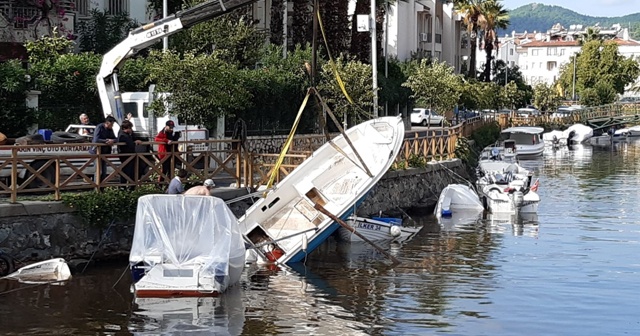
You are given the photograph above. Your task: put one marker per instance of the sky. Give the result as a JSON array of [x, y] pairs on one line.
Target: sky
[[587, 7]]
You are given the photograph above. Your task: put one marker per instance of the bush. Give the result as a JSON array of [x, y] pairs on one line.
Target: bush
[[113, 204]]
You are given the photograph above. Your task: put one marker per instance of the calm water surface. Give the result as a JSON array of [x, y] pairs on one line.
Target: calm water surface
[[573, 269]]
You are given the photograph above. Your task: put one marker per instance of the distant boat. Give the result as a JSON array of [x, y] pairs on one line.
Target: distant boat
[[286, 224], [528, 140], [51, 270], [185, 246], [378, 229]]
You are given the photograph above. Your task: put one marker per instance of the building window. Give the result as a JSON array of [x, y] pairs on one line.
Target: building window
[[562, 52], [118, 7], [534, 52], [551, 65], [512, 64], [82, 7], [552, 51], [510, 52], [540, 65]]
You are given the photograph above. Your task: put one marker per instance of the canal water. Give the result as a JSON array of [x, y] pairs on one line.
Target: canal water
[[573, 269]]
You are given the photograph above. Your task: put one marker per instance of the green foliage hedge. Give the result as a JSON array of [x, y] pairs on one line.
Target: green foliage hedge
[[99, 209]]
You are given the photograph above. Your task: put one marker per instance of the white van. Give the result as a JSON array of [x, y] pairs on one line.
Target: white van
[[527, 112]]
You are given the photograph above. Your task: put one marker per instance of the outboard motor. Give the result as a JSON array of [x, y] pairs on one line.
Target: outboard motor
[[518, 199], [570, 138]]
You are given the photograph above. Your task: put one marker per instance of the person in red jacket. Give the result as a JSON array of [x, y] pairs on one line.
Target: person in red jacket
[[167, 136]]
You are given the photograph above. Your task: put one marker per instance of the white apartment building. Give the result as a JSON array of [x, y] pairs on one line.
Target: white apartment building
[[21, 22], [541, 56], [424, 27]]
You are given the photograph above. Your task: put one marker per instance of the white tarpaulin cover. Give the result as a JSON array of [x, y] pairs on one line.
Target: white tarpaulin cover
[[457, 197], [186, 230]]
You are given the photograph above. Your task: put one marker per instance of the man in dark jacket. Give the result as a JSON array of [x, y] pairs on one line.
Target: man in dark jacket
[[127, 146], [103, 134]]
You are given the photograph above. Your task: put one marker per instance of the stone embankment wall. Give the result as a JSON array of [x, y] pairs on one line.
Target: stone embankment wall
[[42, 230]]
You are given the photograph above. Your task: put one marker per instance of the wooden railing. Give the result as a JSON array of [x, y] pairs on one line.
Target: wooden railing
[[56, 168], [585, 116]]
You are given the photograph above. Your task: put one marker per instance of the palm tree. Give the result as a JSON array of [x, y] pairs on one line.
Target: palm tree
[[493, 16], [471, 10]]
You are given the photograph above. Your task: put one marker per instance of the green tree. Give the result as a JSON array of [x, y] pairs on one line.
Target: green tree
[[103, 31], [513, 74], [435, 86], [233, 37], [511, 95], [599, 61], [202, 86], [471, 11], [493, 17], [278, 77], [357, 78], [545, 97], [16, 117]]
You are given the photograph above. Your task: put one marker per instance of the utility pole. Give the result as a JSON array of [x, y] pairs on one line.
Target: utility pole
[[285, 28], [314, 44], [374, 58], [386, 49], [573, 96], [165, 13]]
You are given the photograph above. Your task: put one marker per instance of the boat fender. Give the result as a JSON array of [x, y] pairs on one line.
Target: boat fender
[[395, 231], [305, 243], [446, 213]]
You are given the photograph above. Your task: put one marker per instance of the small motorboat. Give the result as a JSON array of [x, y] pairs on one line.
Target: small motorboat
[[52, 270], [554, 139], [508, 193], [378, 229], [185, 246], [456, 197]]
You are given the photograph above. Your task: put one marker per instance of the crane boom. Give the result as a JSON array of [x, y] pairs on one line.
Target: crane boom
[[144, 37]]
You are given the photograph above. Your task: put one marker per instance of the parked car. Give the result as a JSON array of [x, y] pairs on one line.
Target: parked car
[[424, 117], [527, 112]]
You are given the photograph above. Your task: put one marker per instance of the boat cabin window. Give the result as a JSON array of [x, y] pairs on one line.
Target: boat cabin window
[[521, 138]]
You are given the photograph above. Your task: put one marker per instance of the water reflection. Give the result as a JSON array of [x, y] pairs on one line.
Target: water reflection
[[519, 224], [223, 315]]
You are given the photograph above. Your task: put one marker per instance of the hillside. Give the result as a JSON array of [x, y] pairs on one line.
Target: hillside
[[540, 17]]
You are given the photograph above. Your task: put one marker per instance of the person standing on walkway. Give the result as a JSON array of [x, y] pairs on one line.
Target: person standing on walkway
[[128, 146], [103, 135], [166, 137]]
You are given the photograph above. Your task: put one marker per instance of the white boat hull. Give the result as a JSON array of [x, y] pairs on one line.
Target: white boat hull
[[456, 197], [498, 201], [44, 271], [334, 178], [376, 230], [167, 280]]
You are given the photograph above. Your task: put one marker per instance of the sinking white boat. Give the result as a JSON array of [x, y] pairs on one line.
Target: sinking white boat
[[286, 224], [52, 270], [574, 134], [578, 133], [528, 140], [378, 229], [456, 197], [185, 246]]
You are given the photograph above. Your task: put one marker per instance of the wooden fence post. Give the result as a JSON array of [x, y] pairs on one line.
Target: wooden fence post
[[57, 182], [14, 175]]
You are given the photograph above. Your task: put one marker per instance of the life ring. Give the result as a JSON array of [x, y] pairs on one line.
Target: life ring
[[7, 265], [66, 137]]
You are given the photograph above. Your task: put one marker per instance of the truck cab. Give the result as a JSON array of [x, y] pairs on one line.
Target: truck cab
[[146, 125]]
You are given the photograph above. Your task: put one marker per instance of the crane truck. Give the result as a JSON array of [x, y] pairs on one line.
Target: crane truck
[[111, 99], [115, 104]]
